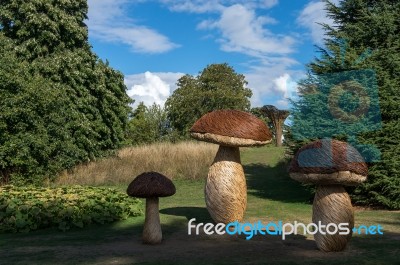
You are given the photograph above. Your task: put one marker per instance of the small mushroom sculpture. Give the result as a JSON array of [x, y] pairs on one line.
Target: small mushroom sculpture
[[151, 185], [225, 189], [330, 164]]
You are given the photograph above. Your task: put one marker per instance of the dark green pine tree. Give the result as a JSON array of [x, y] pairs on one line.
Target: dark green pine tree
[[362, 52], [63, 104]]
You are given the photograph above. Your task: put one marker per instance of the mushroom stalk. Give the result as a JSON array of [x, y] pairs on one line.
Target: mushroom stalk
[[225, 190], [332, 204], [152, 228]]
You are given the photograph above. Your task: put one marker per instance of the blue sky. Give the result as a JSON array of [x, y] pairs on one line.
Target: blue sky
[[154, 42]]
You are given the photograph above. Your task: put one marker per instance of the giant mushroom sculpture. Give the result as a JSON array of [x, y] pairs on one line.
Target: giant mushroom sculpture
[[151, 185], [225, 189], [330, 164]]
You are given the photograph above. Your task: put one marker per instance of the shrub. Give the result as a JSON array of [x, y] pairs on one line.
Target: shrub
[[60, 104], [23, 209]]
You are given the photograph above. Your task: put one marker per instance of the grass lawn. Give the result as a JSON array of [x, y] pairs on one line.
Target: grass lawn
[[272, 196]]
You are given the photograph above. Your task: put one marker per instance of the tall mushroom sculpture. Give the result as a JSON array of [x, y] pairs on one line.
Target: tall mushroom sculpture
[[151, 185], [225, 189], [330, 164]]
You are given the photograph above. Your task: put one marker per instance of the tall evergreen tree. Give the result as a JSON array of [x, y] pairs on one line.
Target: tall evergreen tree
[[353, 92], [87, 97]]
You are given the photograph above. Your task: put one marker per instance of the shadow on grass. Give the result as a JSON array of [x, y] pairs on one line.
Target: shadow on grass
[[113, 244], [273, 182], [200, 213], [121, 244]]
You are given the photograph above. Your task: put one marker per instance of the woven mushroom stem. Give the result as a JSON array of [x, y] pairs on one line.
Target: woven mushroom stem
[[332, 204], [152, 233], [225, 190]]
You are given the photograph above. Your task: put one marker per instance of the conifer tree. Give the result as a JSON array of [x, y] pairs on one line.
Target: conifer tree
[[352, 92]]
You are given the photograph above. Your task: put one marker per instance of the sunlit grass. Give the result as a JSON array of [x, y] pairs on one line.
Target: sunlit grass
[[189, 160]]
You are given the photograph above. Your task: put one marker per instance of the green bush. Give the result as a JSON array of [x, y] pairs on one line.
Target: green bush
[[23, 209], [60, 105]]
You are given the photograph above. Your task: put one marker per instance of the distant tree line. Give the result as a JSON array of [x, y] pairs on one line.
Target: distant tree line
[[217, 86]]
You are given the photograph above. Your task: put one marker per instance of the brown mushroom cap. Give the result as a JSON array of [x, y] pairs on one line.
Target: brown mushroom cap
[[231, 128], [151, 184], [328, 162]]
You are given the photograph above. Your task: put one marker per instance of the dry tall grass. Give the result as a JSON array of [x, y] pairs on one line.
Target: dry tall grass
[[182, 160]]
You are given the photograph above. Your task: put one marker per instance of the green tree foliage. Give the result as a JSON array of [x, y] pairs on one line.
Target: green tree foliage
[[218, 86], [256, 111], [364, 49], [60, 104], [148, 125]]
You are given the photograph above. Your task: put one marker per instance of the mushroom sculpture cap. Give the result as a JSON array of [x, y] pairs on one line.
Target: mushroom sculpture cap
[[151, 184], [326, 162], [231, 128]]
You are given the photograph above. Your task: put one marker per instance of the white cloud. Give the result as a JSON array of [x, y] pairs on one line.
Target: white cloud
[[151, 87], [193, 6], [109, 22], [273, 83], [269, 3], [211, 6], [288, 88], [243, 31], [312, 16], [281, 84], [268, 75], [254, 4]]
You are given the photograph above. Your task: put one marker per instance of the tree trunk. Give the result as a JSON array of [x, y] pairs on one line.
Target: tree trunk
[[5, 176]]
